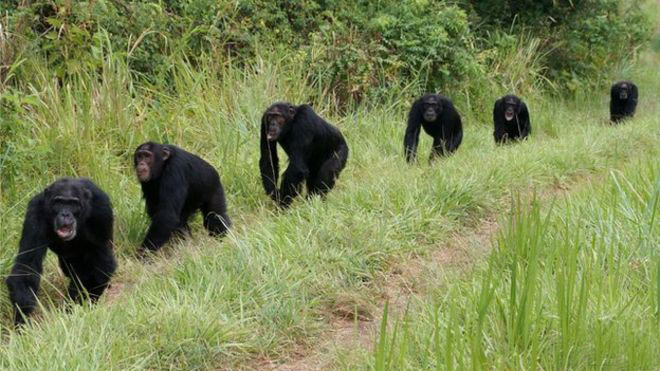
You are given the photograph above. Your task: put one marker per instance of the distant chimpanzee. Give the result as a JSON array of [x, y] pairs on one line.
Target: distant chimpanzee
[[317, 151], [73, 218], [175, 184], [623, 101], [437, 115], [511, 119]]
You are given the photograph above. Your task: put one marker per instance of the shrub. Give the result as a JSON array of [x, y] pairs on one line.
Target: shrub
[[352, 49], [584, 40]]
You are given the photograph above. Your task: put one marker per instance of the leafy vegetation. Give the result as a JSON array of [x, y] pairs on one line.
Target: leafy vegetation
[[350, 49]]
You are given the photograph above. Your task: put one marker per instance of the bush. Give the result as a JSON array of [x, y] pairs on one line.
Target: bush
[[583, 40], [378, 47], [353, 49]]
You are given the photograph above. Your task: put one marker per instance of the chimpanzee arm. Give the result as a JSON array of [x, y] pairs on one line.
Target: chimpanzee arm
[[90, 276], [167, 215], [293, 177], [614, 93], [99, 223], [412, 131], [457, 133], [269, 163], [500, 128], [634, 97], [526, 127], [23, 281]]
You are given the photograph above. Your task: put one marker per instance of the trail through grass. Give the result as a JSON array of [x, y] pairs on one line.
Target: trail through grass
[[571, 284], [411, 280]]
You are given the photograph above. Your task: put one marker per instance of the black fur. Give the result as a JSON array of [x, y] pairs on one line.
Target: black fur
[[181, 184], [87, 259], [519, 127], [623, 107], [317, 153], [446, 128]]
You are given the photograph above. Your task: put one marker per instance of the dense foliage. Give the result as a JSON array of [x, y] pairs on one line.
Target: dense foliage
[[351, 47], [584, 38]]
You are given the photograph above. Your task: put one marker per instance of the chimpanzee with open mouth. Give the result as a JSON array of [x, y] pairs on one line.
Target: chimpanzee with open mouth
[[511, 119], [73, 218]]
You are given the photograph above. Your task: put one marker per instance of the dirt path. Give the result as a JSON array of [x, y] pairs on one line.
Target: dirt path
[[412, 277], [405, 280]]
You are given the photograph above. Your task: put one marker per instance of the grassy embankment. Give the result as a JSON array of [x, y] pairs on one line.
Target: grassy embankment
[[272, 285], [570, 284]]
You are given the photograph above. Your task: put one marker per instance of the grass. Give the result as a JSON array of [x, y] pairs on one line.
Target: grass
[[273, 284], [572, 286]]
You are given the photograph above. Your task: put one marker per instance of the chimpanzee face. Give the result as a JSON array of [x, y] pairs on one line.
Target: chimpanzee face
[[67, 204], [431, 109], [149, 160], [511, 108], [623, 92], [277, 117]]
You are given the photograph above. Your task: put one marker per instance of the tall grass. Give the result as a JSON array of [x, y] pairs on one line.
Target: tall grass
[[574, 286]]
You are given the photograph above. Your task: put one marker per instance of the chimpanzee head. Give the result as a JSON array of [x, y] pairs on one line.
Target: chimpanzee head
[[512, 107], [624, 91], [67, 201], [277, 118], [149, 160], [432, 108]]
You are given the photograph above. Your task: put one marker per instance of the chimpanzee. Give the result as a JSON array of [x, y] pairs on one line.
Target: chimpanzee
[[511, 119], [175, 184], [437, 115], [623, 101], [72, 217], [317, 152]]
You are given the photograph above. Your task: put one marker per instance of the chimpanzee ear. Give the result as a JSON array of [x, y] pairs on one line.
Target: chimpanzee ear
[[166, 152], [292, 110], [87, 194]]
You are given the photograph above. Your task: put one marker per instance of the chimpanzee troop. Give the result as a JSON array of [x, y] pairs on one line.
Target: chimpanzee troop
[[74, 218], [511, 119], [317, 152]]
